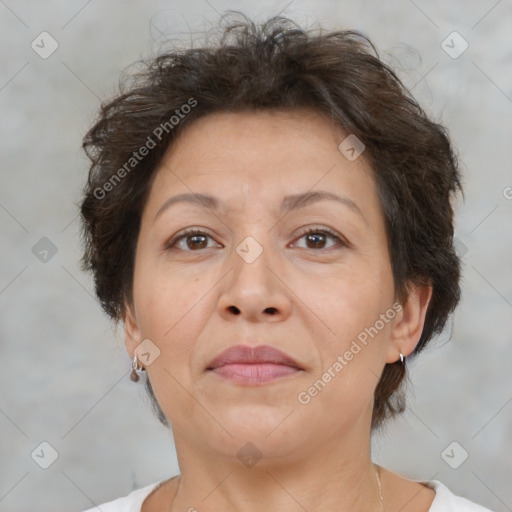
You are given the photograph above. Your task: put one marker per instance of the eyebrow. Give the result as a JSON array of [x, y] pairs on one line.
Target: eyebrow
[[288, 204]]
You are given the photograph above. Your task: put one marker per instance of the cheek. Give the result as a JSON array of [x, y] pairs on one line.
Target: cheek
[[163, 296], [349, 299], [173, 318], [353, 309], [172, 313]]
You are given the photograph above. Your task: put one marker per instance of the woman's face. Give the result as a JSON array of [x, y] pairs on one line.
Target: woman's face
[[252, 276]]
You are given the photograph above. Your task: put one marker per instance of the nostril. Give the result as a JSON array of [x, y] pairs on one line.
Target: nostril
[[234, 310], [272, 311]]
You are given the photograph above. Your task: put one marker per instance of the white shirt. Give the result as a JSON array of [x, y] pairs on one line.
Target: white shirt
[[444, 501]]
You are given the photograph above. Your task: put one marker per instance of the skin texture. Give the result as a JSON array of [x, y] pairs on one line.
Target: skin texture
[[197, 298]]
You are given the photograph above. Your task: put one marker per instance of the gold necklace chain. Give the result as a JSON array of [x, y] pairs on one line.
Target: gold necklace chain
[[380, 488]]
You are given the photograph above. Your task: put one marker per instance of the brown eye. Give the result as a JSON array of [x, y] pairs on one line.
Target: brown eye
[[316, 238], [194, 239]]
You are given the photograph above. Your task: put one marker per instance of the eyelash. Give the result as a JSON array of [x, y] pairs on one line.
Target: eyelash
[[324, 231]]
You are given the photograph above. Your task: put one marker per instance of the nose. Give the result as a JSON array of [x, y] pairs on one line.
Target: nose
[[255, 291]]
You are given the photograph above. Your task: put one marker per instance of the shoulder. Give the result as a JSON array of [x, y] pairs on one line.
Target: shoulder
[[446, 501], [130, 503]]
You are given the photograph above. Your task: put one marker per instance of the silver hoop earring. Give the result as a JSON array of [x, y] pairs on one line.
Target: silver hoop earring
[[136, 369], [402, 358]]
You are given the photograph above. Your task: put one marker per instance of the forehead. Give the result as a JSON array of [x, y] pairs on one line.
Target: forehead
[[283, 135], [261, 157]]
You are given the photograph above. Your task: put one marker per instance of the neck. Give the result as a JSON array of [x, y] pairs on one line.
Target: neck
[[325, 476]]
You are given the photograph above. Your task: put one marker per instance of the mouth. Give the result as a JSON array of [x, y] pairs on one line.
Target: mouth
[[247, 365]]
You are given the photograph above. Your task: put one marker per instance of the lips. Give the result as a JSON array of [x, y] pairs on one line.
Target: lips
[[245, 354], [253, 366]]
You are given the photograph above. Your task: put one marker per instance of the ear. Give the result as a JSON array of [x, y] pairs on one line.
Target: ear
[[408, 323], [132, 335]]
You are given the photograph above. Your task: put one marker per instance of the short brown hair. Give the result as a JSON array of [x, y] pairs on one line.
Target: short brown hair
[[277, 65]]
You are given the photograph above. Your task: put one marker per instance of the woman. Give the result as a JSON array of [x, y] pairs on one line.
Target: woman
[[270, 217]]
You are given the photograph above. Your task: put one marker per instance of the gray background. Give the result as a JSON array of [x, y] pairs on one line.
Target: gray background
[[64, 371]]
